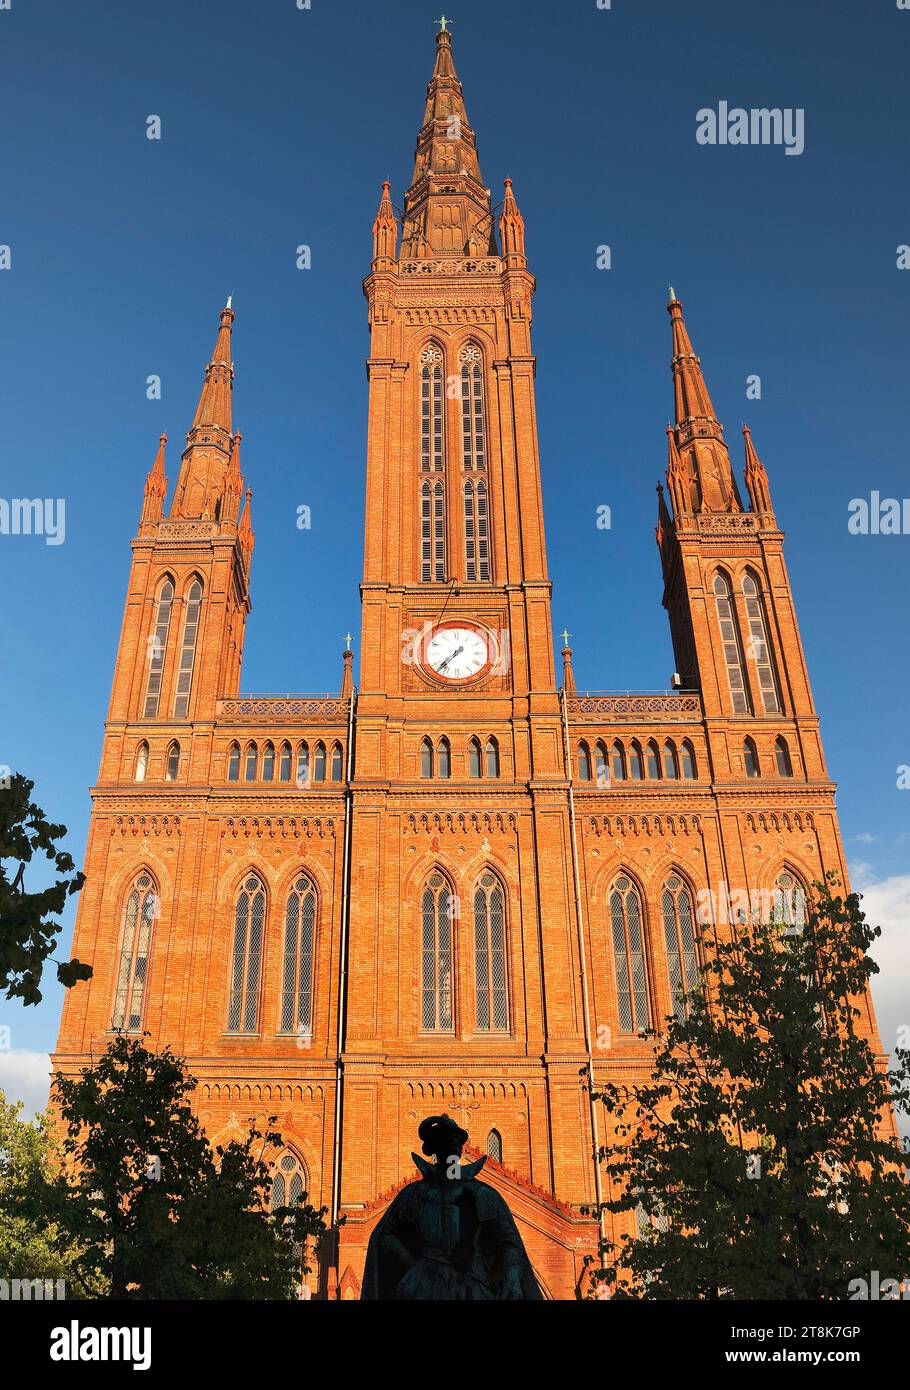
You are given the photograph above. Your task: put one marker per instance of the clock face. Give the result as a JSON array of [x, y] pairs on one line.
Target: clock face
[[457, 652]]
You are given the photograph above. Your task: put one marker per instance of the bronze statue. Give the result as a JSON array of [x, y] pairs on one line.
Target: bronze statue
[[447, 1236]]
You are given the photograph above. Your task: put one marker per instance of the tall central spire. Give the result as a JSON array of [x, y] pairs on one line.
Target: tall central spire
[[447, 209], [210, 441], [699, 473]]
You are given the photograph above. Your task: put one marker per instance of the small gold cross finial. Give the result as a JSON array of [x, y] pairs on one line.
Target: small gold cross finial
[[348, 639], [444, 24], [565, 635]]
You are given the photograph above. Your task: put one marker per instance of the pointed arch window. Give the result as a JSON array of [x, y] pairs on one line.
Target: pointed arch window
[[491, 756], [601, 766], [758, 645], [158, 648], [436, 955], [494, 1145], [653, 758], [249, 925], [679, 937], [290, 1183], [472, 427], [252, 763], [319, 762], [687, 758], [618, 762], [636, 767], [782, 758], [788, 903], [443, 758], [750, 759], [733, 652], [142, 762], [234, 763], [426, 758], [138, 918], [432, 410], [268, 763], [297, 975], [303, 765], [671, 767], [337, 763], [188, 650], [583, 758], [432, 533], [490, 955], [629, 956], [173, 762], [474, 762], [284, 763]]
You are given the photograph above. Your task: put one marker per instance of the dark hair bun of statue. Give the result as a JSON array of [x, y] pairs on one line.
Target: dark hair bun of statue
[[441, 1127]]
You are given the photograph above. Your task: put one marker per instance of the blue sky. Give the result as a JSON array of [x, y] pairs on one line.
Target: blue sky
[[278, 126]]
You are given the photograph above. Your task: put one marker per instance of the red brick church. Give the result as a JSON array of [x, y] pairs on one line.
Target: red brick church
[[459, 883]]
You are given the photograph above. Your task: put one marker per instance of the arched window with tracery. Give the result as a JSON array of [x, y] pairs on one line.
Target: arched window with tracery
[[687, 758], [426, 758], [290, 1183], [679, 937], [284, 763], [432, 410], [629, 956], [671, 767], [474, 454], [653, 760], [759, 646], [443, 758], [299, 944], [584, 763], [158, 648], [436, 955], [788, 902], [142, 762], [319, 762], [172, 766], [188, 650], [490, 955], [491, 755], [302, 775], [474, 758], [234, 763], [601, 766], [494, 1145], [252, 762], [618, 762], [636, 766], [733, 651], [249, 928], [135, 945]]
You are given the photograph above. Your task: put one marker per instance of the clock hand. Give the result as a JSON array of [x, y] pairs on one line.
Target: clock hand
[[449, 658]]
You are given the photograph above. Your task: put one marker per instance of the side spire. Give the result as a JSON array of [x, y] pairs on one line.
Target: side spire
[[698, 434], [757, 484], [512, 231], [210, 441], [155, 488], [447, 209], [385, 229]]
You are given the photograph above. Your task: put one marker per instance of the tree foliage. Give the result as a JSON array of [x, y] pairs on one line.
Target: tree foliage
[[760, 1158], [158, 1212], [28, 930]]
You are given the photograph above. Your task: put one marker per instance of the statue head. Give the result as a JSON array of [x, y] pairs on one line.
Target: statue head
[[442, 1138]]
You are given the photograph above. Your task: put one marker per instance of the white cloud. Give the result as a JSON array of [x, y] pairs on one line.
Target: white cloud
[[26, 1076], [864, 838]]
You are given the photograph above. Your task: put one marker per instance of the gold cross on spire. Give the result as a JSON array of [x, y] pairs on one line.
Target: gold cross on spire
[[444, 24], [565, 635]]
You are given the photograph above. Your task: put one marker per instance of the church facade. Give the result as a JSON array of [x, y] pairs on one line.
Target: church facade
[[461, 885]]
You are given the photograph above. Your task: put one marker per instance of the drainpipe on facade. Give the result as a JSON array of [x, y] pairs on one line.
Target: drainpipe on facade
[[583, 970]]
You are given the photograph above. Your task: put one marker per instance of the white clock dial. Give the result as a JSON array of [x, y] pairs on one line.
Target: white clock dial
[[457, 652]]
